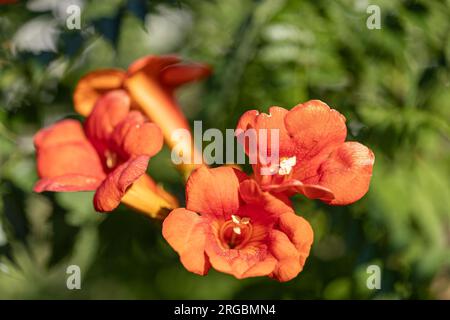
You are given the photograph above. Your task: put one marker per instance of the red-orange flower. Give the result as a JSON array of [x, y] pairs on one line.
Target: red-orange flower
[[149, 82], [233, 226], [109, 155], [314, 158]]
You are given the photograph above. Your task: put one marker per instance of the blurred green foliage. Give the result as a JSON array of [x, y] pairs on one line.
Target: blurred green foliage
[[392, 84]]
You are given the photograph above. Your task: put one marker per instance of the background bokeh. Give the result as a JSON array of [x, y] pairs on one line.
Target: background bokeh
[[392, 84]]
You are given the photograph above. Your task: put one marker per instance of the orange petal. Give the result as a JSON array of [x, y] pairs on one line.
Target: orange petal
[[62, 149], [262, 268], [288, 266], [299, 232], [317, 130], [109, 111], [248, 262], [214, 192], [71, 158], [272, 205], [178, 74], [136, 136], [248, 120], [64, 131], [274, 120], [111, 191], [184, 231], [68, 183], [93, 86], [347, 172], [312, 191], [152, 65]]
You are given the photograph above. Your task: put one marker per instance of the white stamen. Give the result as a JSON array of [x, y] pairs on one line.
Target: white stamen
[[245, 220], [286, 165]]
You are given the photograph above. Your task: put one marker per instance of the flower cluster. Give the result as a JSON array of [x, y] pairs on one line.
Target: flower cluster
[[238, 224]]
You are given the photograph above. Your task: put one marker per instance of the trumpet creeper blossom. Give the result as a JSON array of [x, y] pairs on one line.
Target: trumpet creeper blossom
[[314, 158], [109, 154], [150, 82], [230, 224]]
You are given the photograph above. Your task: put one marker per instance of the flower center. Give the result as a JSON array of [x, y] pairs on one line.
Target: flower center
[[236, 232]]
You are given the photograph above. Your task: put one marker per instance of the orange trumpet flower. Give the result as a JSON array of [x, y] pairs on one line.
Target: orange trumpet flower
[[109, 155], [149, 82], [229, 223], [314, 158]]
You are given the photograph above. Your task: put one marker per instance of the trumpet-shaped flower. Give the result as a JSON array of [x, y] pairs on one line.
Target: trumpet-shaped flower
[[314, 158], [109, 154], [229, 223], [149, 82]]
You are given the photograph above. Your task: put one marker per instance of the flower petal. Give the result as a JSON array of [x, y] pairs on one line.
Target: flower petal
[[93, 85], [317, 130], [299, 232], [64, 131], [152, 65], [62, 149], [243, 263], [264, 125], [178, 74], [71, 158], [290, 187], [347, 172], [266, 204], [214, 192], [184, 231], [109, 110], [136, 136], [252, 261], [113, 188], [288, 266], [68, 183], [262, 268]]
